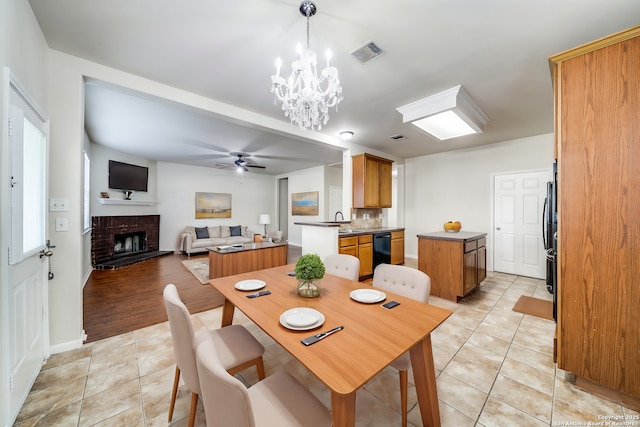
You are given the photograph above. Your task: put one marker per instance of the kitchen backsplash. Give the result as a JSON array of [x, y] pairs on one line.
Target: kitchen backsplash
[[366, 218]]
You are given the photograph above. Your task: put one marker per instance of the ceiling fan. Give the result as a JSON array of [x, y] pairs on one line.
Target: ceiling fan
[[240, 163]]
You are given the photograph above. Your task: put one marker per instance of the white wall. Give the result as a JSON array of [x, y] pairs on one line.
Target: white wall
[[177, 185], [301, 182], [458, 185], [23, 50]]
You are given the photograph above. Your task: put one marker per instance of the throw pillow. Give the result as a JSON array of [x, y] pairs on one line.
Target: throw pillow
[[214, 231], [235, 230], [191, 230], [202, 233], [224, 231]]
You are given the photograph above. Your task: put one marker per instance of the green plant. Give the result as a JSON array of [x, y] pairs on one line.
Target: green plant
[[309, 267]]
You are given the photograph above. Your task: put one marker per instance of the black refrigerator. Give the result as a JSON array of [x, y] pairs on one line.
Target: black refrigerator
[[550, 236]]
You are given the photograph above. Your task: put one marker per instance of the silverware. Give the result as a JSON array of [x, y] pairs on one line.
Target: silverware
[[259, 294], [317, 337]]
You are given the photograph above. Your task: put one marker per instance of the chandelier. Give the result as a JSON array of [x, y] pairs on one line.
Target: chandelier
[[306, 98]]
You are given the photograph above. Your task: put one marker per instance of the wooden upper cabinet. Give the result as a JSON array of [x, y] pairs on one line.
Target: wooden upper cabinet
[[371, 180]]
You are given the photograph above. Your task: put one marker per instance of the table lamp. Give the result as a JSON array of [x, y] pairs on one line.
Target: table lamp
[[265, 219]]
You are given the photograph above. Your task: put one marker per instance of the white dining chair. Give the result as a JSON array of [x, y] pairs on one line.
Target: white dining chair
[[343, 265], [238, 349], [411, 283], [277, 401]]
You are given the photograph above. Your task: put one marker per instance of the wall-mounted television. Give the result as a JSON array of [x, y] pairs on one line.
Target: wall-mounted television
[[123, 176]]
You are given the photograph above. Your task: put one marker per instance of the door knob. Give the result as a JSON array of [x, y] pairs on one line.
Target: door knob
[[44, 253], [498, 228]]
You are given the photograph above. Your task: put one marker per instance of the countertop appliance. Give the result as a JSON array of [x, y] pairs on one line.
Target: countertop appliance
[[549, 235], [381, 249]]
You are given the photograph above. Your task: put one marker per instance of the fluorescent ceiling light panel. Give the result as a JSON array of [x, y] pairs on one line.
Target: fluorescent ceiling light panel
[[448, 114]]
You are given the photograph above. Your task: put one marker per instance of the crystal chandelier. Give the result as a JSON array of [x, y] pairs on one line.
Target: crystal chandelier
[[306, 99]]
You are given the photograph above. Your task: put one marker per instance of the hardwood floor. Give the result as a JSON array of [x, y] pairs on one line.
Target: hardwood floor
[[130, 298]]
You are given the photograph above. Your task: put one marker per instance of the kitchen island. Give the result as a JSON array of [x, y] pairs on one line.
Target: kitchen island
[[455, 262]]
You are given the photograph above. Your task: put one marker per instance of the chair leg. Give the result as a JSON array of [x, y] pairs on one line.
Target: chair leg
[[174, 392], [192, 412], [404, 386], [260, 367]]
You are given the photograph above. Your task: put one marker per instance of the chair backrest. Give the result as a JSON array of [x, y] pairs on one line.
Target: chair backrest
[[225, 399], [343, 265], [183, 337], [275, 236], [406, 281]]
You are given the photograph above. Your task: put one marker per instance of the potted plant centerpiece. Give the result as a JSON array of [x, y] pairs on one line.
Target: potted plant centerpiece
[[309, 271]]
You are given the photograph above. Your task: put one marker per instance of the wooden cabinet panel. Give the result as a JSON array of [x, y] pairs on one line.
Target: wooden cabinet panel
[[597, 96], [348, 245], [397, 247], [482, 264], [371, 181], [365, 254], [470, 275]]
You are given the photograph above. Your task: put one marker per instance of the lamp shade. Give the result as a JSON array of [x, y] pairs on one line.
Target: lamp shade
[[265, 219]]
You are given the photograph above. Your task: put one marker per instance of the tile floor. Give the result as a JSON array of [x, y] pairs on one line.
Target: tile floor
[[494, 367]]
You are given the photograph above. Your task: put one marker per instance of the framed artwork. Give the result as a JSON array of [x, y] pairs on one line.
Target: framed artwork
[[304, 203], [213, 205]]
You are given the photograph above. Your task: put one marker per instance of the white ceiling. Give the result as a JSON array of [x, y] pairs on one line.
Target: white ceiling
[[224, 50]]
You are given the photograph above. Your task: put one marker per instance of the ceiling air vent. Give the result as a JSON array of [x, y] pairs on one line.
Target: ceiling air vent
[[367, 52], [397, 137]]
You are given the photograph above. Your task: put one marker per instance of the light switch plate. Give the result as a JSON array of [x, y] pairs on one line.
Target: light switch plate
[[62, 224], [58, 205]]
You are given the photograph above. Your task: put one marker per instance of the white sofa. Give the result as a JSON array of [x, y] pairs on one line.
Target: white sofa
[[212, 236]]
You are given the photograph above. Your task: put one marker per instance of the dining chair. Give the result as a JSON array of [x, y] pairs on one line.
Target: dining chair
[[410, 283], [277, 401], [238, 349], [343, 265]]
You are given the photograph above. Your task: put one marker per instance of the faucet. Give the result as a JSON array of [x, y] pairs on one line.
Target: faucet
[[335, 217]]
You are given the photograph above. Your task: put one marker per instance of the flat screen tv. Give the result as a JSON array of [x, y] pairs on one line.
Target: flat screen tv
[[123, 176]]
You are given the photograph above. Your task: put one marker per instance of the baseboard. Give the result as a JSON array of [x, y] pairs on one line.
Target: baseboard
[[69, 345]]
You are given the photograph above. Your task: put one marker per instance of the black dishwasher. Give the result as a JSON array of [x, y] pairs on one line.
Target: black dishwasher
[[381, 249]]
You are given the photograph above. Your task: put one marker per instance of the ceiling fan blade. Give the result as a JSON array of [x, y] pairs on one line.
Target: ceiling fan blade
[[254, 166]]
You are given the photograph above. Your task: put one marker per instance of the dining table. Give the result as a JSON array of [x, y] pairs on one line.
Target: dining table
[[371, 336]]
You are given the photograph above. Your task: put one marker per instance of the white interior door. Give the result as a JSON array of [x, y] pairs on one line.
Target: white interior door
[[518, 205], [26, 295]]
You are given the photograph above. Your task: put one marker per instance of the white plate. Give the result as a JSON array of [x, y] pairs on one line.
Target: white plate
[[368, 296], [301, 319], [250, 285]]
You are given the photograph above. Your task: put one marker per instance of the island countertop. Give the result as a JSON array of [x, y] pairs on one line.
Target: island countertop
[[460, 236]]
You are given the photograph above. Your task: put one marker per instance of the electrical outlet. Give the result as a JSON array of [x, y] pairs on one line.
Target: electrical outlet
[[62, 224]]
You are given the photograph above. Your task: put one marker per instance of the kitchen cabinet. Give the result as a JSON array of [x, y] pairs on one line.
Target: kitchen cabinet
[[597, 133], [348, 245], [455, 262], [397, 247], [371, 181], [365, 254]]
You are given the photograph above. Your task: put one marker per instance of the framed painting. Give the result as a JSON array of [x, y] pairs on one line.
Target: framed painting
[[304, 203], [213, 205]]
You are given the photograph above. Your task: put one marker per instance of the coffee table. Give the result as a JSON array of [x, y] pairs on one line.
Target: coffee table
[[228, 260]]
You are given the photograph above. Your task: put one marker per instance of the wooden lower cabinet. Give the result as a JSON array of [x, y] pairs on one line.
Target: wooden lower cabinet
[[455, 262], [397, 247], [365, 254], [265, 255]]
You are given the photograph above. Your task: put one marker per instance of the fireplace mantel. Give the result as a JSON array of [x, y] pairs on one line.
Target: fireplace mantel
[[104, 201]]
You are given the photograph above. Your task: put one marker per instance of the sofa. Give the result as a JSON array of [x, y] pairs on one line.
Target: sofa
[[195, 240]]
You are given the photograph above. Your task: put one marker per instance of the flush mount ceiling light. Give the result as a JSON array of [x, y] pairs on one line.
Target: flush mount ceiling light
[[445, 115], [304, 99], [346, 135]]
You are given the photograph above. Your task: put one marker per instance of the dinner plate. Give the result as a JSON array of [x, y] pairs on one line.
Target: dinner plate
[[250, 285], [301, 318], [368, 296]]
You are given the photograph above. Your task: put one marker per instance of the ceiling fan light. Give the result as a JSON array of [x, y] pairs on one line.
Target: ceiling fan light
[[346, 135]]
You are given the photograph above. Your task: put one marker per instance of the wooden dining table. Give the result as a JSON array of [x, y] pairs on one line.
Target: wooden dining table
[[346, 360]]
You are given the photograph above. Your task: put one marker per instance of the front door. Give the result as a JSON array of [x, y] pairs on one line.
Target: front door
[[26, 294], [518, 205]]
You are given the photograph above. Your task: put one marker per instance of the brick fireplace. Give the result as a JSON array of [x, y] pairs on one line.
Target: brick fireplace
[[122, 240]]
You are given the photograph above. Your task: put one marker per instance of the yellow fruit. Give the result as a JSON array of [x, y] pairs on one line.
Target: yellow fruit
[[452, 226]]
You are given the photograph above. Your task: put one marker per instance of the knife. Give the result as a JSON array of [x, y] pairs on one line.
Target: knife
[[259, 294], [317, 337]]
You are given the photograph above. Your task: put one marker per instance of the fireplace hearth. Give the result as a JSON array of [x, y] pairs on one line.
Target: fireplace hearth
[[117, 241]]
